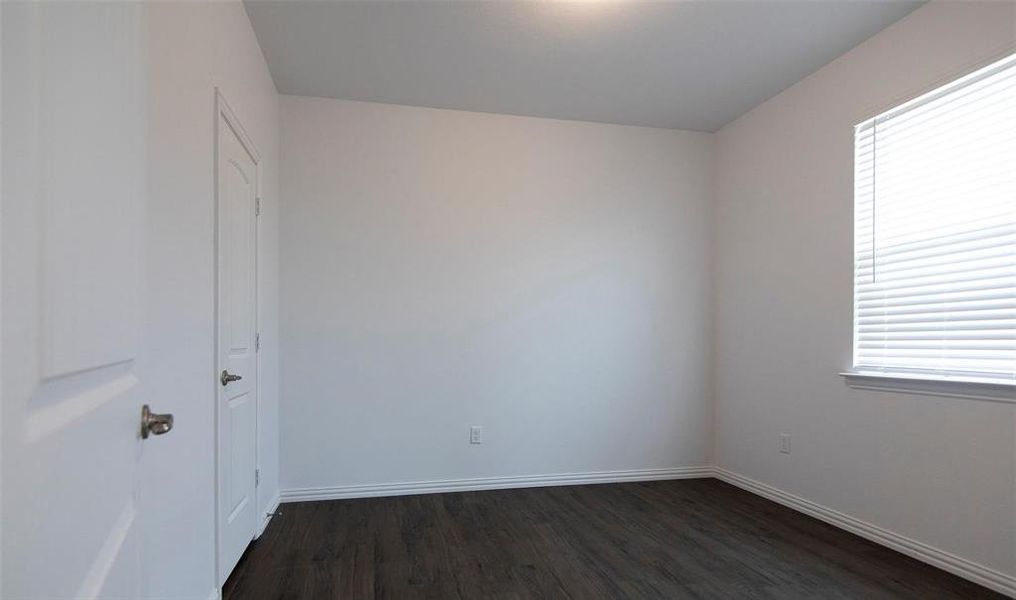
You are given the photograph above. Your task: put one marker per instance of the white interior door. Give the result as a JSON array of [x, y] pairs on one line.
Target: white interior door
[[74, 200], [237, 175]]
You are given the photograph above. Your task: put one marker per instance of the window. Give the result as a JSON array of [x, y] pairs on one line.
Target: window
[[935, 234]]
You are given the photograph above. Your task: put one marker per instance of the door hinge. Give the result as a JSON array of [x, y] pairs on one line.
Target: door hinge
[[257, 206], [257, 477], [257, 342]]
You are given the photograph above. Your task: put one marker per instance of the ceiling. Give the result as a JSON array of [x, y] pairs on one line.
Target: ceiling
[[680, 64]]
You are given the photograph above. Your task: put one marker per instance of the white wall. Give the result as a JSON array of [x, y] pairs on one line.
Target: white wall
[[938, 470], [194, 48], [545, 279]]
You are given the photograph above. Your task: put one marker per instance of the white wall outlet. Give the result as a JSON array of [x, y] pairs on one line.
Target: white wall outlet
[[476, 434], [785, 443]]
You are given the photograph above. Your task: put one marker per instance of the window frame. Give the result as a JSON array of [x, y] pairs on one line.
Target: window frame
[[944, 384], [930, 385]]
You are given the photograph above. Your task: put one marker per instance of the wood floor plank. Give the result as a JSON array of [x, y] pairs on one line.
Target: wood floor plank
[[671, 539]]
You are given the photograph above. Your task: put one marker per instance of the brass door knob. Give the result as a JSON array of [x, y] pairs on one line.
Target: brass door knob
[[228, 377], [154, 423]]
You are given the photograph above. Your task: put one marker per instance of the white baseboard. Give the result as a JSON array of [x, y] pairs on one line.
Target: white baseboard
[[273, 506], [215, 595], [490, 483], [989, 578]]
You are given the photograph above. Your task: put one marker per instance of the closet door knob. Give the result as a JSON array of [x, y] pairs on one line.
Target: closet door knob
[[154, 423]]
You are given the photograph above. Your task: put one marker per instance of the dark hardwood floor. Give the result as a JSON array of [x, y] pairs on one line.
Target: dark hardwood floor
[[697, 538]]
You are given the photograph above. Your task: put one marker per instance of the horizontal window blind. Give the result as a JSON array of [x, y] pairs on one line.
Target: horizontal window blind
[[935, 232]]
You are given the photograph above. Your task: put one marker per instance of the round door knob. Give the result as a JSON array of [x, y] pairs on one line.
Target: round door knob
[[227, 377], [154, 423]]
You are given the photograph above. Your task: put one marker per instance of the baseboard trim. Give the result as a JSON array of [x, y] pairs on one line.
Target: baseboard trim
[[490, 483], [273, 507], [989, 578], [215, 595]]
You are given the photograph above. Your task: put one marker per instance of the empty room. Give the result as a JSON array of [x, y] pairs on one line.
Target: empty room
[[511, 299]]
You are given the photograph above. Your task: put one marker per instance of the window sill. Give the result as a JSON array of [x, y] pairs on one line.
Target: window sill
[[929, 385]]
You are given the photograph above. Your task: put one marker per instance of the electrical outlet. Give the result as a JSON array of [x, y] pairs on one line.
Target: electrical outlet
[[476, 434], [785, 443]]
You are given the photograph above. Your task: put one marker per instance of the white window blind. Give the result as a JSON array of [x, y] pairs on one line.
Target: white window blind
[[935, 232]]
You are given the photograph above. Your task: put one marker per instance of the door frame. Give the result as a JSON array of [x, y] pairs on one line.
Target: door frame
[[225, 114]]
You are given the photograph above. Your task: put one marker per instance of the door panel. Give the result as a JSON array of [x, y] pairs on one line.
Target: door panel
[[93, 117], [241, 422], [74, 197], [237, 314]]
